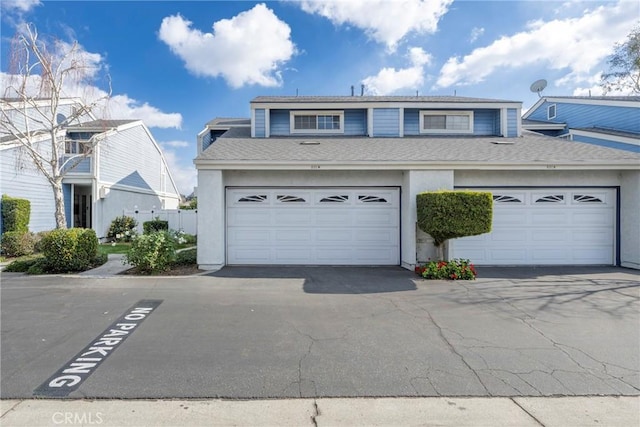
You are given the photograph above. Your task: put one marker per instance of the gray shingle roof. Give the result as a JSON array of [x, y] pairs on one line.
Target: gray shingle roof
[[229, 121], [100, 124], [236, 147], [614, 132], [600, 98], [356, 99]]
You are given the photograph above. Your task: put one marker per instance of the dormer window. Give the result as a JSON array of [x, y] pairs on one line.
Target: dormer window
[[317, 122], [454, 122]]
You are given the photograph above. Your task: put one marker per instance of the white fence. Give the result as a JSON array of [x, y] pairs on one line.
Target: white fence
[[179, 219]]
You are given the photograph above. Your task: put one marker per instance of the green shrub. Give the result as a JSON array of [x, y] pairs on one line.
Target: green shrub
[[99, 260], [38, 267], [152, 253], [186, 257], [122, 229], [451, 214], [155, 225], [15, 214], [17, 243], [39, 236], [22, 265], [456, 269], [68, 250]]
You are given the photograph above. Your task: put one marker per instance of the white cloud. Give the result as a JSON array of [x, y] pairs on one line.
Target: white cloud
[[577, 44], [246, 49], [182, 170], [389, 80], [385, 21], [475, 33], [83, 85], [20, 6], [175, 144]]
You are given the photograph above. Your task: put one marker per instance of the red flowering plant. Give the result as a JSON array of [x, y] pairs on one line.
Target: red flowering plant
[[455, 269]]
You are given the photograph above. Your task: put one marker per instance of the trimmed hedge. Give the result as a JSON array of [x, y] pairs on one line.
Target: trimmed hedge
[[67, 250], [15, 214], [17, 243], [451, 214], [24, 264], [157, 224]]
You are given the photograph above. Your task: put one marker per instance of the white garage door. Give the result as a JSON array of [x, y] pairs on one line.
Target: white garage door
[[319, 226], [546, 227]]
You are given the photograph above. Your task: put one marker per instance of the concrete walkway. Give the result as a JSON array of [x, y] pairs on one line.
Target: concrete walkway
[[112, 267], [441, 411]]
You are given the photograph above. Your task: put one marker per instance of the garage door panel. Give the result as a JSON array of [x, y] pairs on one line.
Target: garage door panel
[[546, 226], [352, 226]]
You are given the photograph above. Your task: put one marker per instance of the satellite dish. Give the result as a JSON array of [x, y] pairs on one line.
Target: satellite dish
[[538, 86], [60, 118]]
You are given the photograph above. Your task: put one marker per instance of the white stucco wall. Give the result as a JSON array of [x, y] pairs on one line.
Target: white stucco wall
[[211, 220], [312, 178], [417, 246], [630, 219], [115, 202], [542, 178]]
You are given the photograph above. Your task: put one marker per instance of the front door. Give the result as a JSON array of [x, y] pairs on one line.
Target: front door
[[82, 207]]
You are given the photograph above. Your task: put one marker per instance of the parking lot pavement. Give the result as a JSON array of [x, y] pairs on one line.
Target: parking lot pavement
[[251, 333]]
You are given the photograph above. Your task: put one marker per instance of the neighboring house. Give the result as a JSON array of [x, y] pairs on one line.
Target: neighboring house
[[333, 181], [609, 121], [127, 169]]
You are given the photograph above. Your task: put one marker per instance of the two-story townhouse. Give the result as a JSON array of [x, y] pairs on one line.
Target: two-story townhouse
[[609, 121], [333, 181], [126, 169]]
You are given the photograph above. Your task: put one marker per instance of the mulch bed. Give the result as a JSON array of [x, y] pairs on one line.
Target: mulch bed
[[179, 270]]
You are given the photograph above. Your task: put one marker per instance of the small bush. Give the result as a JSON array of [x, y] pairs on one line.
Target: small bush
[[15, 214], [99, 260], [157, 224], [39, 236], [23, 265], [152, 253], [38, 267], [186, 257], [17, 243], [456, 269], [68, 250], [122, 229]]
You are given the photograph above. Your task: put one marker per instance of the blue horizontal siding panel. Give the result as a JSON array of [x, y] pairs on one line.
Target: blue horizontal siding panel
[[206, 140], [411, 121], [607, 143], [259, 124], [355, 122], [279, 122], [512, 123], [83, 167], [583, 116], [386, 122], [484, 122]]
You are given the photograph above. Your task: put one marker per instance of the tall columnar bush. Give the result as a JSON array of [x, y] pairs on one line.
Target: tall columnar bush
[[122, 229], [67, 250], [451, 214], [15, 214]]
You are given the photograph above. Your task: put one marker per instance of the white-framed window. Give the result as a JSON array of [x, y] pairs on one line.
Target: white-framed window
[[316, 121], [446, 121], [72, 146], [551, 112]]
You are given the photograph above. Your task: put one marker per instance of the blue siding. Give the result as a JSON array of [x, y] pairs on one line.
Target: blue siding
[[512, 123], [68, 204], [607, 143], [582, 116], [386, 122], [411, 121], [355, 122], [83, 167], [279, 124], [259, 123], [206, 140], [484, 122]]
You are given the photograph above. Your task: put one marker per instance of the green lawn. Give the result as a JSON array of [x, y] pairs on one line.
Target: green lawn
[[118, 248]]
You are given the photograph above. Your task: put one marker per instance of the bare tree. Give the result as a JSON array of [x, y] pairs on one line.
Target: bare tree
[[624, 66], [43, 74]]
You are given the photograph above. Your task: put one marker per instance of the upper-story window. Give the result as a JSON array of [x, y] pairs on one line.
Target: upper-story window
[[76, 143], [551, 112], [446, 122], [317, 122]]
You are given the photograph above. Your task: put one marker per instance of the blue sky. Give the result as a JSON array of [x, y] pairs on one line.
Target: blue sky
[[178, 64]]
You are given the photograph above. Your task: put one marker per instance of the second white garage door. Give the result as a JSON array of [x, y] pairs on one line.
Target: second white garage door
[[546, 227], [318, 226]]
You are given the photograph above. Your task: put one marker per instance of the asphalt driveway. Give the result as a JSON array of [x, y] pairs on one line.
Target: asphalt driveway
[[324, 332]]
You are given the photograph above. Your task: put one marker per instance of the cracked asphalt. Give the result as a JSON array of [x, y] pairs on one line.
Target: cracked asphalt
[[276, 332]]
